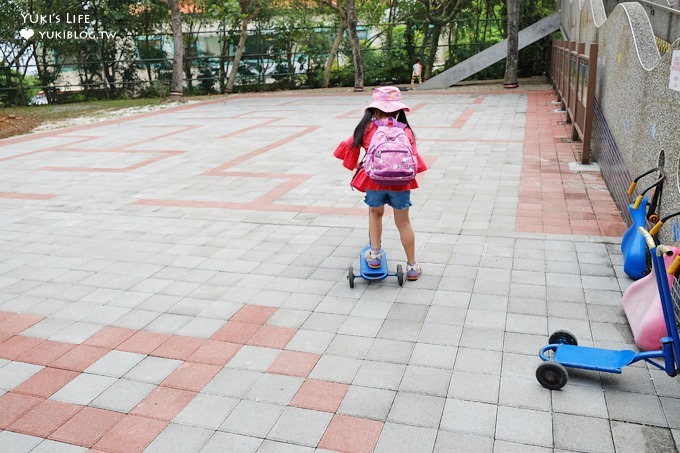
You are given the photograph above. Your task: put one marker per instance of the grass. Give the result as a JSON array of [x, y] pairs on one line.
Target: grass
[[22, 120]]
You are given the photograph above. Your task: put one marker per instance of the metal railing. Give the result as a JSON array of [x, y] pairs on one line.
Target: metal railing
[[574, 79]]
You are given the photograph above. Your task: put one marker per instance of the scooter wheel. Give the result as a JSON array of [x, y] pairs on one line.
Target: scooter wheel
[[562, 337], [350, 276], [552, 375], [400, 274]]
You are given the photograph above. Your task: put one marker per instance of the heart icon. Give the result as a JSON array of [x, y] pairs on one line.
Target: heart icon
[[26, 33]]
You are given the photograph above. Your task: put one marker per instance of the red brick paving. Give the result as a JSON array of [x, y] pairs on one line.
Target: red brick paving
[[553, 198]]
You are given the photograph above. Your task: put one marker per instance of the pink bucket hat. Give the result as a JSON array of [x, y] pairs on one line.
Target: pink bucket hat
[[387, 99]]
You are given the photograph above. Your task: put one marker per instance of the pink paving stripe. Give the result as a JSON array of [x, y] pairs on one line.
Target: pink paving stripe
[[26, 196], [462, 119], [219, 170], [127, 169], [250, 206]]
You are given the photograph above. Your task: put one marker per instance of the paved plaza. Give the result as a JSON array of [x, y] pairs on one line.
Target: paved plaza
[[176, 281]]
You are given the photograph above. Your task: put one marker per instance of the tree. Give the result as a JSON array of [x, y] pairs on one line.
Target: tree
[[250, 9], [341, 27], [178, 45], [356, 50], [512, 60]]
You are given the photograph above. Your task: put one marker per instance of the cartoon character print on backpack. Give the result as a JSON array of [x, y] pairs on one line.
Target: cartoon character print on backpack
[[389, 159]]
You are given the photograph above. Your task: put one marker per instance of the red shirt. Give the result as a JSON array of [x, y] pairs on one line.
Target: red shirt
[[349, 155]]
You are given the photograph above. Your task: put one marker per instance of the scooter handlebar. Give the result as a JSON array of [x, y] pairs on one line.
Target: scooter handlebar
[[651, 244]]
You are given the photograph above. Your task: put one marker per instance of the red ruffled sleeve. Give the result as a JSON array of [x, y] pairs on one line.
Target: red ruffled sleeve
[[348, 154]]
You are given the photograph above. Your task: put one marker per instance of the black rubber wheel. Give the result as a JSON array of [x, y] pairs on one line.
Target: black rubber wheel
[[400, 275], [563, 337], [350, 276], [552, 375]]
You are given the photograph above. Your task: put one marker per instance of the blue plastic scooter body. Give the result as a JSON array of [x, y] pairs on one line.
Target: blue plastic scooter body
[[369, 273], [633, 244], [588, 358]]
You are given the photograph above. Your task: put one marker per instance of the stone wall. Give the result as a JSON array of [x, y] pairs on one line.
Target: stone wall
[[641, 111]]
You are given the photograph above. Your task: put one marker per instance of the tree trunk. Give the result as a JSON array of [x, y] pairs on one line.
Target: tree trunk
[[432, 51], [512, 59], [238, 54], [356, 49], [342, 26], [178, 43]]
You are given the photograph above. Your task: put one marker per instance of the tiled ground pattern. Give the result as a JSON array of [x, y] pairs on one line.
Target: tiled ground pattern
[[176, 282]]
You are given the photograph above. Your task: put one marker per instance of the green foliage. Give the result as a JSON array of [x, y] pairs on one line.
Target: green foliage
[[288, 46]]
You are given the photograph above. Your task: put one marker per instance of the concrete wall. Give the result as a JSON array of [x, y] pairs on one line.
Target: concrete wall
[[642, 112]]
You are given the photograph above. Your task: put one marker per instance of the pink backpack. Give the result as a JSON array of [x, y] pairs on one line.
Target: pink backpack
[[389, 159]]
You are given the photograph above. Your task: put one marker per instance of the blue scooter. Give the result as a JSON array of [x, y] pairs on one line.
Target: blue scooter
[[368, 273], [635, 253], [563, 351]]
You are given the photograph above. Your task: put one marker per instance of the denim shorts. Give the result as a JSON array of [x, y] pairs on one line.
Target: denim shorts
[[398, 200]]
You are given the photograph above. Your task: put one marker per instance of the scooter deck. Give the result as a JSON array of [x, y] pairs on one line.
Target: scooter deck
[[369, 273], [597, 359]]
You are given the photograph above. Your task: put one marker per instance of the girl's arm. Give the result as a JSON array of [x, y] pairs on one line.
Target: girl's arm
[[348, 154]]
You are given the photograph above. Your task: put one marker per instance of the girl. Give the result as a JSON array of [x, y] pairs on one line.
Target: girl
[[386, 102]]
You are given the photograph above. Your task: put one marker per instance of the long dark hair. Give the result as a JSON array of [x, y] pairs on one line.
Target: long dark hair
[[360, 130]]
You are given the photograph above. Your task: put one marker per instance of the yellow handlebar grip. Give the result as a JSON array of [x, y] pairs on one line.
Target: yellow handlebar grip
[[673, 268], [655, 229], [631, 188], [638, 200]]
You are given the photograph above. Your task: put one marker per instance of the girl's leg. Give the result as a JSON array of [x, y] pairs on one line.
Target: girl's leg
[[408, 238], [375, 226]]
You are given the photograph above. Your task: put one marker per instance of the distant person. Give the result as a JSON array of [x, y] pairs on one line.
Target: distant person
[[417, 73], [386, 108]]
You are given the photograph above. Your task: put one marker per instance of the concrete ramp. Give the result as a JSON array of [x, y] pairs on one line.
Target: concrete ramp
[[493, 54]]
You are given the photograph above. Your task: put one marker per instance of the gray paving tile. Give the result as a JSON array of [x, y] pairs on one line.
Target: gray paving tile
[[523, 392], [405, 438], [52, 446], [252, 418], [206, 411], [237, 443], [272, 446], [430, 381], [152, 369], [253, 358], [629, 438], [83, 389], [393, 351], [470, 386], [310, 341], [123, 395], [462, 442], [478, 360], [635, 408], [575, 432], [379, 375], [18, 443], [586, 400], [417, 410], [232, 382], [367, 402], [524, 426], [115, 363], [274, 388], [469, 417], [179, 438], [13, 374], [336, 369], [350, 346], [300, 426]]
